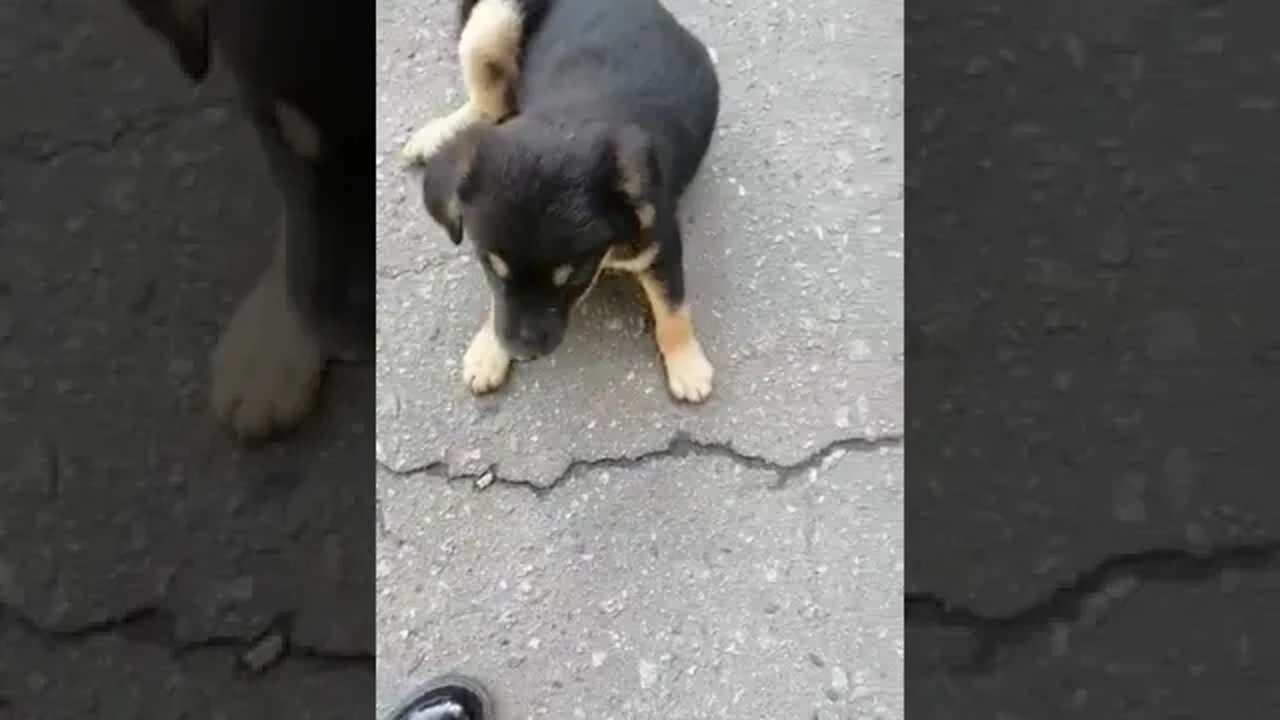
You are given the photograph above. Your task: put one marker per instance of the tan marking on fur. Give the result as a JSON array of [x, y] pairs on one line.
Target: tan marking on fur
[[453, 208], [299, 133], [499, 266], [689, 373], [631, 182], [560, 275], [645, 214], [637, 263], [486, 363], [489, 49], [267, 366]]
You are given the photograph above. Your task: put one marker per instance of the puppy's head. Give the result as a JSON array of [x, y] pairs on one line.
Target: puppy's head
[[542, 206]]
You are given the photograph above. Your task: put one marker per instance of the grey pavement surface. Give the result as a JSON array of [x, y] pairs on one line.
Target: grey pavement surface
[[578, 540], [140, 553], [1092, 513], [689, 587]]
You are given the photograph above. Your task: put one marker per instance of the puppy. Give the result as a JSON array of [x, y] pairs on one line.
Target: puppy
[[584, 122], [303, 71]]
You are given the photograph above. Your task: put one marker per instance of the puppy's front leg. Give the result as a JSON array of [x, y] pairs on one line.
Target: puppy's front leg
[[486, 362], [488, 52], [267, 365], [689, 373]]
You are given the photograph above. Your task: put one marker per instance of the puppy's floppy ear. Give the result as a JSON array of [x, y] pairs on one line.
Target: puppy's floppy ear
[[185, 24], [447, 180], [636, 172]]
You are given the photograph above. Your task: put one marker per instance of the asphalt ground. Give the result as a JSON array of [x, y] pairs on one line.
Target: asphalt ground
[[585, 545]]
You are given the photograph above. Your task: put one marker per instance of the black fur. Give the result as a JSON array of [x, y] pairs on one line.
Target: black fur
[[185, 28], [607, 90], [316, 55]]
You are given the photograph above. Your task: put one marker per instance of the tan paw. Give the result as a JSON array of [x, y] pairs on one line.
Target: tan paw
[[485, 364], [689, 373], [266, 367], [430, 138]]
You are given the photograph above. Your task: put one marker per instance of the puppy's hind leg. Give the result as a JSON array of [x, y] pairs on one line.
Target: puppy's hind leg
[[488, 52]]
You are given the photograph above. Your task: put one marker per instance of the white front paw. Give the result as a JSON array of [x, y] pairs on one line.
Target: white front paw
[[486, 363], [266, 367], [427, 140], [689, 373]]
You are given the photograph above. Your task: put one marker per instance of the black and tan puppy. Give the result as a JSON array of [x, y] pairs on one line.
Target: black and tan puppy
[[302, 68], [585, 120]]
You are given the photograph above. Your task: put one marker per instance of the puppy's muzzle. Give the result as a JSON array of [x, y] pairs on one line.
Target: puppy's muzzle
[[532, 341]]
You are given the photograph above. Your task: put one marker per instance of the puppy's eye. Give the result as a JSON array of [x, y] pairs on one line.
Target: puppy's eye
[[499, 266], [561, 275]]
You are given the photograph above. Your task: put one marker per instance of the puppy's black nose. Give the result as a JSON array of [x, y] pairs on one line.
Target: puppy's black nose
[[531, 340], [535, 339]]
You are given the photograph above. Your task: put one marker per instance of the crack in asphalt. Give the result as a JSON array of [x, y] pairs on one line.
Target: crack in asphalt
[[681, 445], [384, 527], [157, 626], [36, 147], [432, 263], [1085, 599]]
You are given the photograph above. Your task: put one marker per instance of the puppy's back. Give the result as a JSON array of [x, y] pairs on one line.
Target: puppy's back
[[624, 61]]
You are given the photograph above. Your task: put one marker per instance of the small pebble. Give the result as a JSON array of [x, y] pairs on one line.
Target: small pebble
[[264, 652], [648, 674], [839, 680]]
